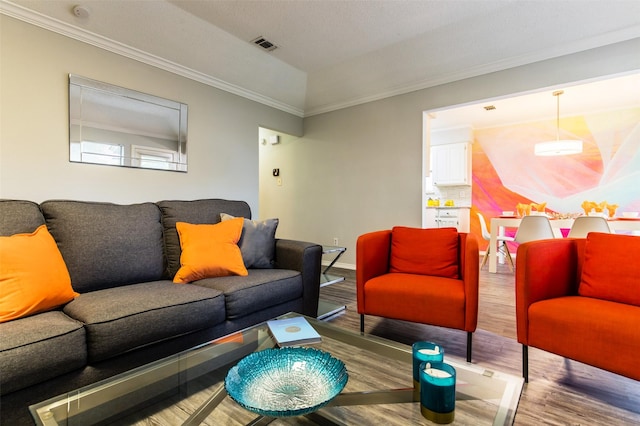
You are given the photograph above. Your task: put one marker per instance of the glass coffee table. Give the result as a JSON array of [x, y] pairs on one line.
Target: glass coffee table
[[188, 388]]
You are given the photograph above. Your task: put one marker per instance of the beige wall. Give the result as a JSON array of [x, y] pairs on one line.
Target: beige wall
[[34, 154], [353, 171], [333, 173], [360, 169]]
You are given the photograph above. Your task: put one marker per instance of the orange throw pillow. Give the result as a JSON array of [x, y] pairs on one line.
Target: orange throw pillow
[[33, 275], [209, 251], [611, 269], [424, 251]]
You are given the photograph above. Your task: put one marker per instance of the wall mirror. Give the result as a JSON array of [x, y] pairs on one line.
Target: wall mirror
[[120, 127]]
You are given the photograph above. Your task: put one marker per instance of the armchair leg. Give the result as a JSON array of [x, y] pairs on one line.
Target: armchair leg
[[469, 342], [361, 323], [525, 363]]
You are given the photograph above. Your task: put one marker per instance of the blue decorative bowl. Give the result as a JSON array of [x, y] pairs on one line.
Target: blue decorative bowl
[[289, 381]]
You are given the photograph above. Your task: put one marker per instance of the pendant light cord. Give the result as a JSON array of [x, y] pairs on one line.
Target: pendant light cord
[[557, 95]]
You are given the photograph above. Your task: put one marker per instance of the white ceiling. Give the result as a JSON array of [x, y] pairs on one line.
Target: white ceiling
[[336, 53]]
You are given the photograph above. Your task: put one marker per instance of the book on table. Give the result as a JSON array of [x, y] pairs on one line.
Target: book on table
[[293, 332]]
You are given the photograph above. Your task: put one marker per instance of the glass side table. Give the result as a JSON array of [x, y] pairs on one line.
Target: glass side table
[[326, 308]]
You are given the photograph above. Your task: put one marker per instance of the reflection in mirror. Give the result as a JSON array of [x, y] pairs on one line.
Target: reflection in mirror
[[121, 127]]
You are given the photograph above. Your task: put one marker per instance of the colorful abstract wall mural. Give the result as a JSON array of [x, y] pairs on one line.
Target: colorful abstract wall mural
[[506, 171]]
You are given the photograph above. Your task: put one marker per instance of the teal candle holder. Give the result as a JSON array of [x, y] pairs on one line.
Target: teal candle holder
[[438, 392], [424, 352]]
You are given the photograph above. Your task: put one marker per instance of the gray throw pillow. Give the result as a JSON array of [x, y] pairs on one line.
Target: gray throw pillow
[[257, 242]]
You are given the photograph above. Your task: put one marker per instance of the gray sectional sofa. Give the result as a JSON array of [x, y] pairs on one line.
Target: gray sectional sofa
[[121, 259]]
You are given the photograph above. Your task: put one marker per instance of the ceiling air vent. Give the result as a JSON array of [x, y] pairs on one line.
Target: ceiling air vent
[[264, 43]]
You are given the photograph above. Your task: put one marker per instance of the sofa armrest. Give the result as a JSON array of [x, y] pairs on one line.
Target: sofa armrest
[[306, 258], [372, 260], [545, 269], [470, 275]]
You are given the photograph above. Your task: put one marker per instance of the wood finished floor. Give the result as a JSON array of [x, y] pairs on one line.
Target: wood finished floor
[[559, 392]]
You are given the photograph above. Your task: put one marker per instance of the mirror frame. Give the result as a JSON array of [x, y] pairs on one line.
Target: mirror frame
[[113, 125]]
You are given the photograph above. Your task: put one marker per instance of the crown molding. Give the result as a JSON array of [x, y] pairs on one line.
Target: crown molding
[[51, 24], [623, 35], [63, 28]]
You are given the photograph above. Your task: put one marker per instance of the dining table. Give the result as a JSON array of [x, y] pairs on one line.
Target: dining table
[[500, 223]]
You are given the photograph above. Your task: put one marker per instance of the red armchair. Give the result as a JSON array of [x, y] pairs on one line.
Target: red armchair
[[580, 299], [428, 276]]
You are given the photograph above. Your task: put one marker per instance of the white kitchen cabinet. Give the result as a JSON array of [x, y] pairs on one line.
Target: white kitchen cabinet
[[451, 164], [448, 217], [453, 218], [430, 218]]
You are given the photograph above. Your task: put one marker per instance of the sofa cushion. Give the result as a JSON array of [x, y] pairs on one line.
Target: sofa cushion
[[197, 211], [602, 281], [209, 251], [424, 251], [38, 348], [107, 245], [260, 290], [33, 276], [120, 319], [257, 242], [19, 217]]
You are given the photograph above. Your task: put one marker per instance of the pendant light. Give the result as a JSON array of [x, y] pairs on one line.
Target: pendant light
[[558, 146]]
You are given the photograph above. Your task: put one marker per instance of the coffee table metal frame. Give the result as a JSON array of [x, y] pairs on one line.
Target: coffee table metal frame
[[326, 308], [147, 384]]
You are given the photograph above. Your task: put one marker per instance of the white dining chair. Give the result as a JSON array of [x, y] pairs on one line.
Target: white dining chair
[[502, 243], [582, 225], [534, 228]]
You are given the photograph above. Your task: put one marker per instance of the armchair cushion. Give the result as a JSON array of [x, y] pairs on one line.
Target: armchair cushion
[[567, 326], [600, 280], [419, 251], [402, 296]]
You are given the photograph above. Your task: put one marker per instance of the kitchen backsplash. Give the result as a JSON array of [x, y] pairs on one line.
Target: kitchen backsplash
[[461, 195]]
